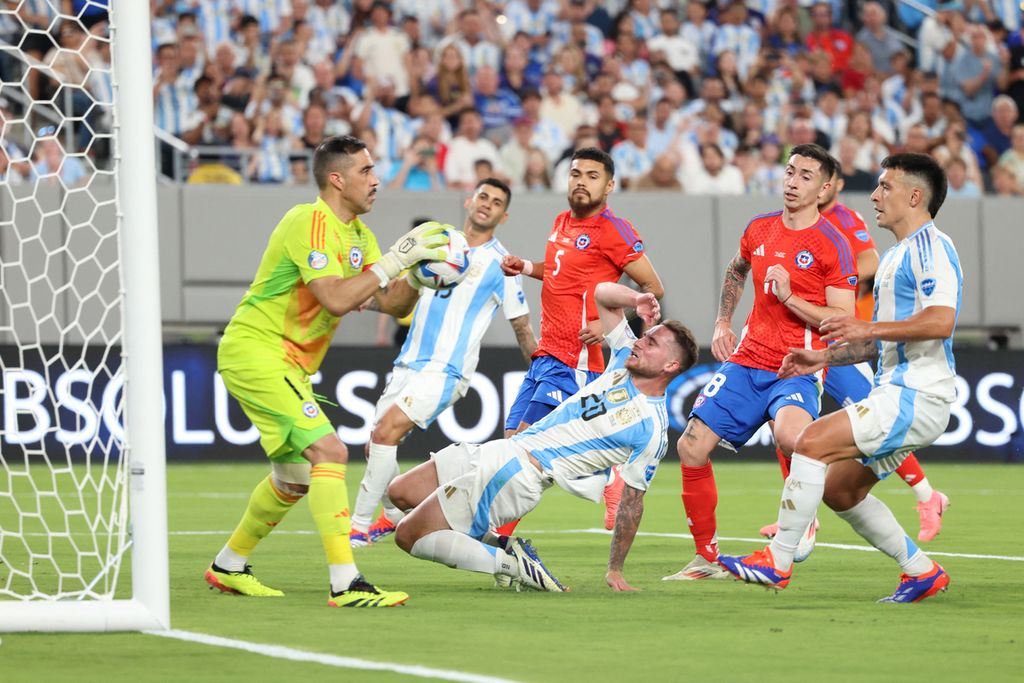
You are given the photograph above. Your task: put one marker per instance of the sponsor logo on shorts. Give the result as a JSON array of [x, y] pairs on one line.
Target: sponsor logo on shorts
[[804, 260], [928, 286], [617, 395], [407, 401], [582, 242], [317, 260], [355, 257], [862, 410], [862, 235], [449, 491], [310, 409]]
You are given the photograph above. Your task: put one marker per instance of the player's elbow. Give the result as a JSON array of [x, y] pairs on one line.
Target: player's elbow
[[654, 287]]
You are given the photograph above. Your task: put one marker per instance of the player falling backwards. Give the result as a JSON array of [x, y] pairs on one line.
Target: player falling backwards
[[322, 262], [803, 272], [588, 244], [440, 354], [840, 458], [619, 418], [848, 384]]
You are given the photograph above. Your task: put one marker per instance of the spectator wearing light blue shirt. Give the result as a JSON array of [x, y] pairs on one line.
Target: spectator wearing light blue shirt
[[631, 156], [53, 165]]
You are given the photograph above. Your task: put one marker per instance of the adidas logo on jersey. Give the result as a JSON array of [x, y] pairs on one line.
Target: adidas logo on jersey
[[796, 397], [759, 251], [556, 395]]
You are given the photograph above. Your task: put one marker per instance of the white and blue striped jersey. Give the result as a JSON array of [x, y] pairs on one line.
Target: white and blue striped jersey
[[448, 325], [608, 422], [922, 270]]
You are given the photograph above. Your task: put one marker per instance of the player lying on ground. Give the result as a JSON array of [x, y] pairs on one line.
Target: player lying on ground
[[465, 491], [840, 457], [440, 354]]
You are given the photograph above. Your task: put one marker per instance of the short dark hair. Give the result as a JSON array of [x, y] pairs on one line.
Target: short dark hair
[[924, 169], [819, 154], [596, 154], [500, 184], [328, 155], [687, 342]]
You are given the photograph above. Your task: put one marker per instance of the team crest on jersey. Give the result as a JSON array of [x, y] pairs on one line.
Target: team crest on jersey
[[852, 280], [617, 395], [862, 235], [582, 242], [355, 257], [928, 286], [804, 260], [475, 269], [310, 410], [626, 415], [317, 260]]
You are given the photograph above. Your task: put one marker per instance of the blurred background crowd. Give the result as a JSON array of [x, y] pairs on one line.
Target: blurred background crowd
[[698, 97]]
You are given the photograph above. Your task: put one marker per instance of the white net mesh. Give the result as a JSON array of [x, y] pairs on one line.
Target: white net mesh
[[63, 498]]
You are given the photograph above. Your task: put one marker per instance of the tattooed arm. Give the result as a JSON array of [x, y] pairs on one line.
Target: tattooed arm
[[631, 509], [723, 343], [851, 353], [809, 361], [524, 336]]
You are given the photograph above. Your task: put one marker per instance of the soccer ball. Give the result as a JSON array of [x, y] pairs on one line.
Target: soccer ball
[[452, 270]]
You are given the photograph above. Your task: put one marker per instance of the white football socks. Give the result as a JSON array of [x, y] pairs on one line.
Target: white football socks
[[923, 490], [460, 551], [230, 560], [873, 520], [342, 576], [381, 468], [800, 498]]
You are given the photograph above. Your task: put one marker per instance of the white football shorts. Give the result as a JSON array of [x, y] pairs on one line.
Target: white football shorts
[[422, 396], [893, 421], [483, 486]]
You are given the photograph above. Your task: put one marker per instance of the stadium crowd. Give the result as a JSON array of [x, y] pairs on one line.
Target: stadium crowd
[[702, 97]]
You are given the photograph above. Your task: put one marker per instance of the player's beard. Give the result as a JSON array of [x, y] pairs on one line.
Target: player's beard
[[583, 204]]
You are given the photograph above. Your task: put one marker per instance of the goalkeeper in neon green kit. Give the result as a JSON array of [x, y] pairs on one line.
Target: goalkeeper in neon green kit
[[321, 263]]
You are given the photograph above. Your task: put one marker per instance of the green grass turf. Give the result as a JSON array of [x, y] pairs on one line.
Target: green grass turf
[[825, 627]]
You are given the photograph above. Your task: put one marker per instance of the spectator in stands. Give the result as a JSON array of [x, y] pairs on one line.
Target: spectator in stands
[[52, 165], [736, 35], [858, 69], [631, 156], [419, 170], [466, 148], [916, 140], [273, 94], [822, 74], [661, 128], [586, 136], [1013, 158], [854, 179], [254, 54], [514, 153], [314, 126], [534, 18], [536, 177], [240, 132], [784, 32], [450, 87], [828, 117], [1004, 183], [664, 174], [680, 52], [610, 130], [939, 35], [477, 50], [871, 147], [990, 142], [297, 75], [876, 35], [547, 135], [714, 175], [381, 50], [973, 77], [769, 174], [433, 15], [518, 73], [824, 36], [959, 185], [931, 117], [954, 146], [558, 106], [12, 173], [498, 106], [698, 29], [569, 62], [272, 163], [216, 118]]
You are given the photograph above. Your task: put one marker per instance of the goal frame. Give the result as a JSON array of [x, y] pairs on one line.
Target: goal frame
[[142, 358]]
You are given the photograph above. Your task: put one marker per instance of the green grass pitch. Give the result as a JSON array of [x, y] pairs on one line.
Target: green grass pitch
[[825, 627]]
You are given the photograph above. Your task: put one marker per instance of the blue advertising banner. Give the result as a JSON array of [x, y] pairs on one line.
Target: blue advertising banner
[[75, 404]]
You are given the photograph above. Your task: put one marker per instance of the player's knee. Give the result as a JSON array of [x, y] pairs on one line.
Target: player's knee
[[810, 443], [405, 535], [840, 499], [691, 453], [398, 492], [386, 432]]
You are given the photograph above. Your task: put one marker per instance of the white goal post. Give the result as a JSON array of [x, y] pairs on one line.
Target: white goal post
[[130, 499]]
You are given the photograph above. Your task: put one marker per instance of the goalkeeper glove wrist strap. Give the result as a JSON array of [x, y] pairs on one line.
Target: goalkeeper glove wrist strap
[[387, 269]]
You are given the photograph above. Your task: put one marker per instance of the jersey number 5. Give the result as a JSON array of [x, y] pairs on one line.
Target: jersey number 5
[[558, 261]]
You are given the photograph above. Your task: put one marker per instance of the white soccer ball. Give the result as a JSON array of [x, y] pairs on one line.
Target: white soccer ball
[[452, 270]]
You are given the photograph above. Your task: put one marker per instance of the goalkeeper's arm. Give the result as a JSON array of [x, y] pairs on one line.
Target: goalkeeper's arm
[[341, 295]]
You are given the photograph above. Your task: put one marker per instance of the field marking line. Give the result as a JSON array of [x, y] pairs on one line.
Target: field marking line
[[835, 546], [654, 534], [281, 652]]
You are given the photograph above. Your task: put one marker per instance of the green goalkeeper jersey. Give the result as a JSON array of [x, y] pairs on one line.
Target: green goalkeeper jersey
[[279, 317]]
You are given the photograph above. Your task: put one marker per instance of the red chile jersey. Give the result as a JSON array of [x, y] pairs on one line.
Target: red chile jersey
[[815, 258], [852, 225], [581, 253]]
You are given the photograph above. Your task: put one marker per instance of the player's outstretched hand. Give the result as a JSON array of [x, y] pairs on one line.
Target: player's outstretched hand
[[845, 328], [422, 243], [593, 333], [511, 265], [723, 343], [617, 582], [648, 308], [801, 362]]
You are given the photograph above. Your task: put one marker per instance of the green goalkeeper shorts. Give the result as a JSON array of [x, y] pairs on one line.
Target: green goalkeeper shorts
[[279, 400]]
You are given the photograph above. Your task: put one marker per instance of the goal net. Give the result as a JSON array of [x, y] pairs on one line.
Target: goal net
[[82, 500]]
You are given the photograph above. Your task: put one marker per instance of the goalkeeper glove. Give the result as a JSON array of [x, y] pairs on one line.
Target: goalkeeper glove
[[422, 243]]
